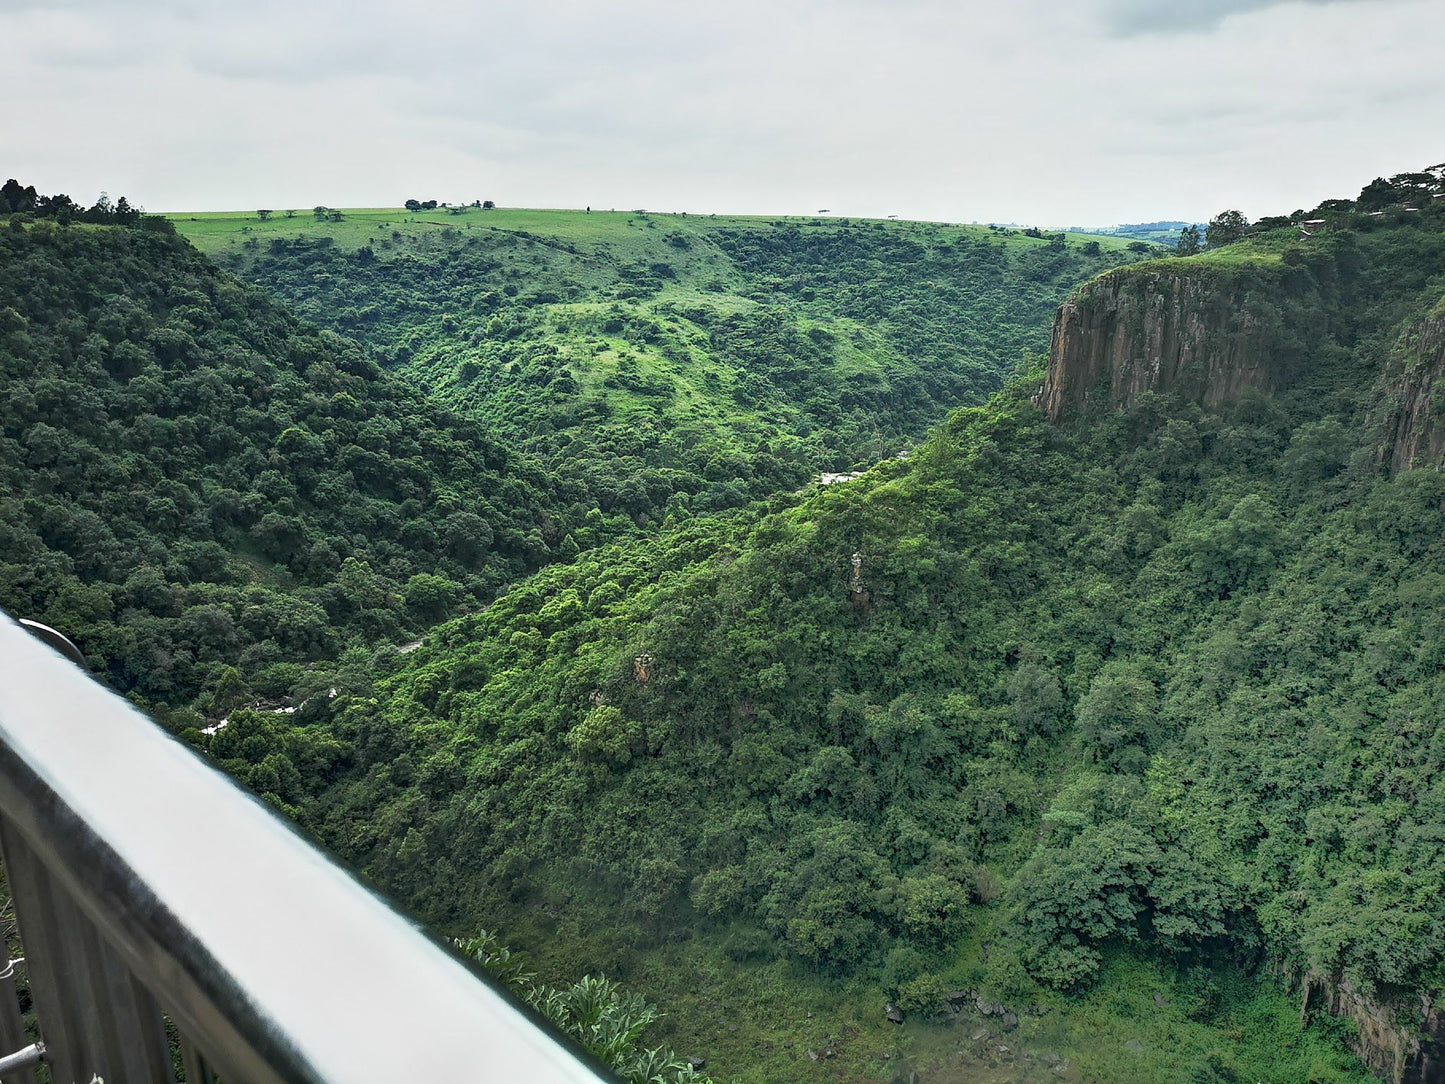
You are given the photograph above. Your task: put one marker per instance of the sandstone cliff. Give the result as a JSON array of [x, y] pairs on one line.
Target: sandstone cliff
[[1201, 332], [1404, 1044], [1414, 427]]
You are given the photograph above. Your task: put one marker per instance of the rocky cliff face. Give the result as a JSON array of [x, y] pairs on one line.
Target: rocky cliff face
[[1198, 333], [1209, 334], [1404, 1044], [1414, 430]]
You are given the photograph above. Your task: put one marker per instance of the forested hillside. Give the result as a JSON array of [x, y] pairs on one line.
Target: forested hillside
[[673, 363], [207, 493], [1148, 694], [1078, 735], [213, 497]]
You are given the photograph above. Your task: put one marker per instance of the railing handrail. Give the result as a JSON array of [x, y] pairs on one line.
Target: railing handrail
[[273, 960]]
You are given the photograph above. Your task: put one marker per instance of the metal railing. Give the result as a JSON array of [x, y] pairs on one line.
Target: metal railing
[[147, 886]]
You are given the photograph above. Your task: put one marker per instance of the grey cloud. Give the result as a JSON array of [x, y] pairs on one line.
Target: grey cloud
[[1130, 18], [508, 42]]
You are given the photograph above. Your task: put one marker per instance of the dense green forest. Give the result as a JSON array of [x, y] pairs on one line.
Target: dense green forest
[[672, 363], [1075, 742], [207, 493], [1159, 685]]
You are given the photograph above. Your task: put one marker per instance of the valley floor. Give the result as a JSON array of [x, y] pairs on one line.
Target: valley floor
[[776, 1023]]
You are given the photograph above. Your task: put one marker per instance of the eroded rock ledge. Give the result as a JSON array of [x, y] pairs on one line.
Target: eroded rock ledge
[[1204, 335], [1414, 430], [1403, 1043]]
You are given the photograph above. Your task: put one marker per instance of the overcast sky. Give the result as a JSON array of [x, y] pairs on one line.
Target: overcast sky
[[1039, 111]]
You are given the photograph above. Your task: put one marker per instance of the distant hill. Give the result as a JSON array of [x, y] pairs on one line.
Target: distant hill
[[672, 363], [1163, 233]]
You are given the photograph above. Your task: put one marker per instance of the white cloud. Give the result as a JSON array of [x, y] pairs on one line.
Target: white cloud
[[1040, 111]]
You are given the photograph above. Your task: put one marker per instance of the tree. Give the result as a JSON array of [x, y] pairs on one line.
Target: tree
[[1225, 228], [605, 734], [1377, 195], [1414, 188], [15, 198], [932, 908], [468, 537], [429, 596], [822, 898], [1189, 242], [229, 690], [264, 214], [487, 205], [413, 205], [57, 206], [1036, 699], [1118, 716], [1073, 900], [1225, 553]]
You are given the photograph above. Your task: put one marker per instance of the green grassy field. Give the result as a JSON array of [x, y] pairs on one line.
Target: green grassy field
[[214, 231]]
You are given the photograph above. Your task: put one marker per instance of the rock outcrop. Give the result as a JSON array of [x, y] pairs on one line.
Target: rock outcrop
[[1404, 1044], [1205, 334], [1209, 334], [1414, 431]]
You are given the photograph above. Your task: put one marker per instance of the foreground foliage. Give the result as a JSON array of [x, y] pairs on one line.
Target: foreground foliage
[[606, 1019]]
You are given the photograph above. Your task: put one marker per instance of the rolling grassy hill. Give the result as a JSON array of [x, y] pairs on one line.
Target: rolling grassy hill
[[673, 363]]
